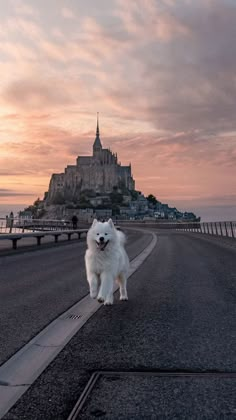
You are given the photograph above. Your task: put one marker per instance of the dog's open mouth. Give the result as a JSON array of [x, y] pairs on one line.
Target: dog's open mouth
[[101, 245]]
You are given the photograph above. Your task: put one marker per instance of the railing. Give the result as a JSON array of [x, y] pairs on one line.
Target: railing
[[20, 225], [160, 224], [16, 226], [227, 229], [41, 224], [15, 237]]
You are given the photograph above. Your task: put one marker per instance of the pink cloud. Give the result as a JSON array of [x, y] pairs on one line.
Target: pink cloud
[[18, 51], [151, 21], [67, 13], [23, 8], [31, 94], [163, 77], [20, 25]]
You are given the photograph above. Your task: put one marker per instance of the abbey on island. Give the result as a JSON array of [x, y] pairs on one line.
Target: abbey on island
[[100, 173], [99, 186]]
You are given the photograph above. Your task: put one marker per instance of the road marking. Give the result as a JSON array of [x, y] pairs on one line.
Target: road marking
[[25, 366]]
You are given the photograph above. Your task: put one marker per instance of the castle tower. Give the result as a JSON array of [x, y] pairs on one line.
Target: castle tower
[[97, 145]]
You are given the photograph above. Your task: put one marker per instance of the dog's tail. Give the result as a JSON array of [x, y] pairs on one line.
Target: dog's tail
[[121, 237]]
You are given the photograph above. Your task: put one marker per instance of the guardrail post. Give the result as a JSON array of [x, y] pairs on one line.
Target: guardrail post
[[11, 226], [221, 231], [226, 230], [232, 229], [212, 228], [216, 229], [207, 228]]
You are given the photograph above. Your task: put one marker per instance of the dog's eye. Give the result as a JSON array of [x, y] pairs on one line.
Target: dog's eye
[[106, 233], [97, 233]]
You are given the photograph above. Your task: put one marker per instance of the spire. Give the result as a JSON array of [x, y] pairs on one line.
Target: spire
[[97, 132], [97, 146]]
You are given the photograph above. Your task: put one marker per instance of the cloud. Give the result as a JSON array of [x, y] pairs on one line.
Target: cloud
[[36, 94], [11, 193], [24, 8], [18, 51], [187, 84], [151, 21], [44, 149], [162, 74], [67, 13], [23, 27]]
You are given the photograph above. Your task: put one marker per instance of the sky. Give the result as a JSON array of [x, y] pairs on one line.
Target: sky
[[161, 73]]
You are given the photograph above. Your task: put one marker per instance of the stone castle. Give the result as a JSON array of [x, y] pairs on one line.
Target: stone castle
[[99, 173]]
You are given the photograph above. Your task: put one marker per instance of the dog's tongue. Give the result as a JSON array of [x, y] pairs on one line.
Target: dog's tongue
[[101, 245]]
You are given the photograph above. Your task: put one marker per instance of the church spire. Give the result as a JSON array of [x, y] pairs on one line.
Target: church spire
[[97, 145], [97, 132]]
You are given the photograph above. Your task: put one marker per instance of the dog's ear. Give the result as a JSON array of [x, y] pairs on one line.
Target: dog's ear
[[110, 222], [94, 222]]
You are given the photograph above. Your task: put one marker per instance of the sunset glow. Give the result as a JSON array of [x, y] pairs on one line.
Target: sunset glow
[[162, 74]]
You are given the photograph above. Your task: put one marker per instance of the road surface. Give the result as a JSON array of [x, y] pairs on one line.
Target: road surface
[[37, 286], [180, 317]]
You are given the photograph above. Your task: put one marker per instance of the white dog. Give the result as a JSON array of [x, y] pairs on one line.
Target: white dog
[[106, 261]]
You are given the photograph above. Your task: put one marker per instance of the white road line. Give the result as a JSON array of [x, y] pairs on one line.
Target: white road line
[[24, 367]]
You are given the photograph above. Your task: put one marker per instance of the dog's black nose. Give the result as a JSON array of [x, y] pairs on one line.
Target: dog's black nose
[[101, 239]]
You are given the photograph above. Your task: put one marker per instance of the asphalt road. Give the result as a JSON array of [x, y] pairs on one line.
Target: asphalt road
[[37, 286], [180, 317]]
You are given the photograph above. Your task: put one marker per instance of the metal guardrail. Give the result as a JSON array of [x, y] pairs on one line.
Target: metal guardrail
[[47, 227], [226, 229], [19, 224], [15, 237], [43, 224]]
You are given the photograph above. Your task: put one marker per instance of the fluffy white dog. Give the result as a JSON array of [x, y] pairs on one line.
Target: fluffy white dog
[[106, 261]]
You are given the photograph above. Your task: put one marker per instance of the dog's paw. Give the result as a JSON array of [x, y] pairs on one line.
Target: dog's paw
[[100, 299], [124, 298], [93, 294], [109, 301]]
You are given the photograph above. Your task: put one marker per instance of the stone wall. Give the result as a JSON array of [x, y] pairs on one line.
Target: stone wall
[[99, 173]]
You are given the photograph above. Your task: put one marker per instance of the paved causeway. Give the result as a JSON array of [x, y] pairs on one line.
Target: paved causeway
[[167, 353]]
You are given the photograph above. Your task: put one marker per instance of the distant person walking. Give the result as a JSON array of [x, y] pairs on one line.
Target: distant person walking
[[74, 221], [7, 221]]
